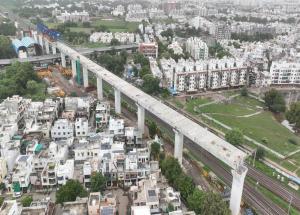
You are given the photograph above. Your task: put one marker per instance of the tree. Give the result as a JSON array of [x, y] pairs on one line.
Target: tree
[[1, 200], [98, 182], [152, 129], [213, 203], [155, 150], [2, 186], [139, 58], [6, 50], [185, 184], [274, 101], [171, 169], [7, 29], [260, 153], [194, 201], [244, 91], [70, 191], [114, 42], [293, 115], [150, 84], [144, 71], [235, 137], [26, 201]]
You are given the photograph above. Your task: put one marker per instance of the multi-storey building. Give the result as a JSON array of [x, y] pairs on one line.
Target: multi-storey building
[[81, 127], [102, 114], [149, 49], [285, 73], [65, 172], [197, 48], [20, 177], [62, 129], [48, 176], [222, 31], [190, 76]]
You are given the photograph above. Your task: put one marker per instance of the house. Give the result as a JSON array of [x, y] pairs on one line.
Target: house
[[65, 172], [81, 127], [62, 129], [116, 126], [102, 114]]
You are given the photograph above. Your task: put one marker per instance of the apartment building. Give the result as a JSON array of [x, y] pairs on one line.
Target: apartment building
[[73, 17], [116, 126], [197, 48], [3, 169], [285, 73], [222, 31], [192, 76], [21, 174], [149, 49], [102, 114], [81, 127], [65, 171], [48, 176], [62, 129]]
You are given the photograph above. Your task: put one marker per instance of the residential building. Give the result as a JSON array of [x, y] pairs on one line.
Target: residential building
[[118, 11], [73, 17], [65, 172], [10, 207], [81, 127], [48, 176], [175, 46], [116, 126], [87, 173], [149, 49], [45, 207], [222, 31], [140, 210], [21, 174], [62, 129], [285, 73], [197, 48]]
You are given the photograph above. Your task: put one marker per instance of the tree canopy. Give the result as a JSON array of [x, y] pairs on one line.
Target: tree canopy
[[150, 84], [21, 79], [152, 129], [7, 29], [98, 182], [70, 191], [6, 50], [293, 114], [26, 201], [113, 63], [274, 101], [235, 137], [155, 150]]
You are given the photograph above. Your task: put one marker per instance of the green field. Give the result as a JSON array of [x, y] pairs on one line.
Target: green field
[[116, 25], [262, 126], [81, 29]]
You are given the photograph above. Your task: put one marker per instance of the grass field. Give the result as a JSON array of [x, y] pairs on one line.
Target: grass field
[[116, 25], [261, 126], [81, 29]]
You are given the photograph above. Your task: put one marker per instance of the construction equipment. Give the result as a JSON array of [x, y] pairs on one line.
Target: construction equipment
[[60, 93], [44, 73]]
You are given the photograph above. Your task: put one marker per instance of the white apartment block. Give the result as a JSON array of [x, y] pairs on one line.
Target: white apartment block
[[48, 176], [285, 73], [106, 37], [81, 127], [175, 46], [197, 48], [73, 17], [116, 126], [102, 114], [21, 174], [65, 172], [192, 76], [118, 11], [86, 150], [62, 129]]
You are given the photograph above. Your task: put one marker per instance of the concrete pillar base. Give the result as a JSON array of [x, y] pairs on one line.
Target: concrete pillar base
[[117, 101], [73, 68], [178, 146], [85, 77], [99, 88], [63, 60], [141, 118], [238, 177]]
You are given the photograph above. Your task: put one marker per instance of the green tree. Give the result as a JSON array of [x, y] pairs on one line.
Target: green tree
[[1, 200], [244, 91], [293, 114], [2, 186], [98, 182], [185, 184], [260, 153], [114, 42], [70, 191], [26, 201], [155, 150], [6, 50], [144, 71], [171, 169], [274, 101], [150, 84], [152, 127], [195, 200], [7, 29], [213, 203], [139, 58], [235, 137]]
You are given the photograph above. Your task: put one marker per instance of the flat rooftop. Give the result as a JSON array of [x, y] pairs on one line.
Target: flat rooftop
[[215, 145]]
